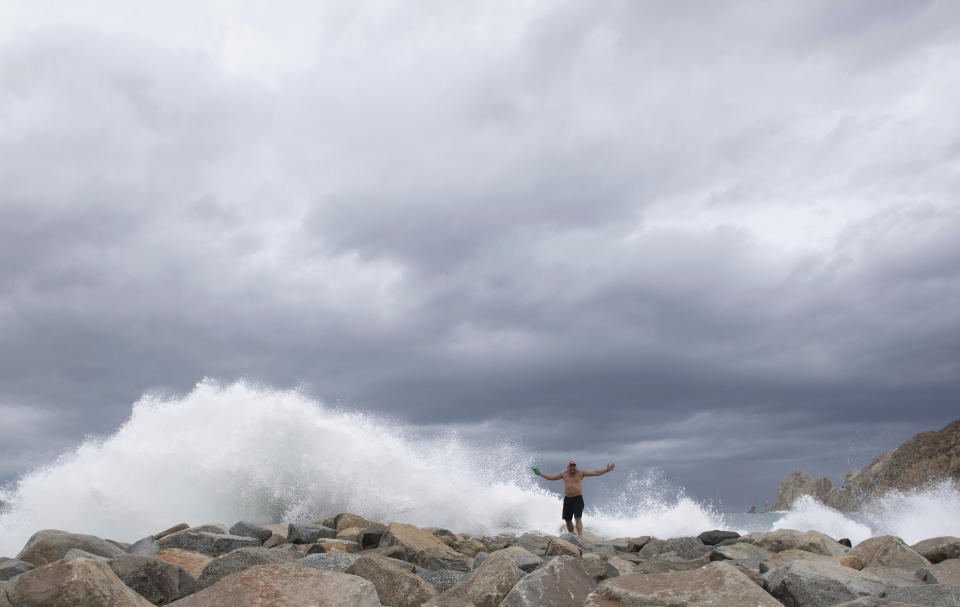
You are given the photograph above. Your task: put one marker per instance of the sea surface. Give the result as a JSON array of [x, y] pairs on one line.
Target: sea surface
[[224, 453]]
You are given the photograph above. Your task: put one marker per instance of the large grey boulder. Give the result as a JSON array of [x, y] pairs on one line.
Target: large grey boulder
[[562, 582], [888, 551], [560, 547], [193, 562], [791, 539], [72, 583], [944, 572], [304, 533], [486, 587], [3, 595], [156, 580], [52, 544], [439, 559], [175, 528], [205, 542], [414, 540], [665, 563], [930, 595], [250, 530], [243, 558], [780, 559], [395, 586], [743, 554], [345, 520], [290, 585], [13, 567], [803, 583], [329, 561], [938, 549], [715, 585], [525, 560], [712, 538], [370, 537], [144, 547]]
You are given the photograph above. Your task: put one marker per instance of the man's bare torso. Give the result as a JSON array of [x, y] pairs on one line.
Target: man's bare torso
[[572, 482]]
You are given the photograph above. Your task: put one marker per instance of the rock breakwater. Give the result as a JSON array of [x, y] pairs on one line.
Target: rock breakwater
[[349, 561]]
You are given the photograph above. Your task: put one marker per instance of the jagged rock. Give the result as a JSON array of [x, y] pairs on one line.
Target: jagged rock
[[13, 567], [928, 595], [469, 546], [304, 533], [486, 587], [350, 533], [480, 557], [561, 547], [622, 567], [492, 544], [250, 530], [938, 549], [744, 554], [240, 559], [801, 483], [329, 561], [347, 519], [888, 551], [144, 547], [275, 540], [442, 558], [412, 539], [174, 529], [156, 580], [51, 544], [290, 585], [687, 548], [534, 542], [716, 585], [395, 586], [780, 559], [712, 538], [206, 542], [193, 562], [525, 560], [370, 537], [444, 535], [444, 579], [944, 572], [72, 583], [804, 583], [562, 582], [636, 543]]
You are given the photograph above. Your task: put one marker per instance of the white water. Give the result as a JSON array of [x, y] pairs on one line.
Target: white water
[[240, 452]]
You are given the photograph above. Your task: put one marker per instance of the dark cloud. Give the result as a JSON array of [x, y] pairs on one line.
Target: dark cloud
[[706, 241]]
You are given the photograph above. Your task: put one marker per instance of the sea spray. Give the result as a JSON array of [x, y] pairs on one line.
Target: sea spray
[[244, 452]]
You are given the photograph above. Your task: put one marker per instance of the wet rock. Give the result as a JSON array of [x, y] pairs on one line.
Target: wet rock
[[937, 549], [13, 567], [330, 561], [245, 529], [290, 585], [72, 583], [744, 554], [156, 580], [562, 582], [240, 559], [561, 547], [396, 587], [51, 544], [305, 533], [716, 585], [413, 540], [193, 562], [944, 572], [929, 595], [805, 583], [486, 587], [888, 551], [712, 538]]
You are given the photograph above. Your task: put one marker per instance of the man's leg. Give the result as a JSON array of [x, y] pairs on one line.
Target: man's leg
[[569, 523], [579, 528]]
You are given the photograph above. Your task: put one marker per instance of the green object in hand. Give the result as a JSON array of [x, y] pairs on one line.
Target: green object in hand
[[536, 470]]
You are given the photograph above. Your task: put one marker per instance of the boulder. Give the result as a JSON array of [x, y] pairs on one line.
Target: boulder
[[744, 554], [13, 567], [717, 585], [525, 560], [787, 556], [636, 543], [562, 582], [275, 540], [193, 562], [929, 595], [76, 553], [805, 583], [280, 529], [72, 583], [622, 567], [498, 542], [330, 561], [51, 544], [370, 537], [240, 559], [534, 542], [791, 539], [250, 530], [411, 539], [938, 549], [350, 533], [156, 580], [396, 587], [347, 519], [444, 579], [290, 585], [888, 551], [442, 558], [3, 595], [801, 483], [712, 538], [144, 547], [944, 572], [665, 563], [206, 542], [305, 533], [444, 535], [171, 530], [891, 576], [486, 587], [687, 548], [561, 547], [470, 546], [338, 544]]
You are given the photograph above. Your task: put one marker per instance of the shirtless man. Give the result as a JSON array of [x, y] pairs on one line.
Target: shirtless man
[[573, 492]]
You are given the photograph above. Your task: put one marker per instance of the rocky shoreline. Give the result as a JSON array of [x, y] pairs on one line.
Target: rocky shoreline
[[349, 561]]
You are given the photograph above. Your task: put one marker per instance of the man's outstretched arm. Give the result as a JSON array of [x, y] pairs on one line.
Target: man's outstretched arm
[[551, 477], [599, 472]]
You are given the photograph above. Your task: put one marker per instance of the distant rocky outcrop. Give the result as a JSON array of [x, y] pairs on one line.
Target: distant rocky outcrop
[[926, 458]]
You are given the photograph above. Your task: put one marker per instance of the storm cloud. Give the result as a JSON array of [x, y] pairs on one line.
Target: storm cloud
[[719, 239]]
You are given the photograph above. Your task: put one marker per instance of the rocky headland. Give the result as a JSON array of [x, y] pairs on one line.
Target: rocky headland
[[349, 561], [927, 458]]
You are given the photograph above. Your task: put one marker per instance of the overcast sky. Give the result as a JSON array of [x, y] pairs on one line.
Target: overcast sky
[[718, 238]]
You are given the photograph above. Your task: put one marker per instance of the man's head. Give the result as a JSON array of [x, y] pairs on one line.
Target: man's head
[[571, 465]]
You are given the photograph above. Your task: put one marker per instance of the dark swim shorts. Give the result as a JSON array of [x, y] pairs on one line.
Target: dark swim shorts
[[572, 507]]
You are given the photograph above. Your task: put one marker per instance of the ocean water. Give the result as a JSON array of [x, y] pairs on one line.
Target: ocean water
[[224, 453]]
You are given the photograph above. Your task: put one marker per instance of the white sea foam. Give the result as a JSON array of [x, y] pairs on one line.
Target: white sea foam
[[242, 452], [808, 514]]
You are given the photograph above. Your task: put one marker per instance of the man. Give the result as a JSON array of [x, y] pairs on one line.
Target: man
[[573, 492]]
